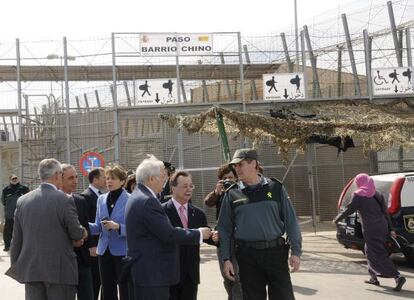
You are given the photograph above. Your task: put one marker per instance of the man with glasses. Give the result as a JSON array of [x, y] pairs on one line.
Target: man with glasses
[[185, 215], [9, 197]]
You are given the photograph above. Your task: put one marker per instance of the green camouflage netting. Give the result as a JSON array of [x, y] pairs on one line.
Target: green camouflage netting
[[377, 127]]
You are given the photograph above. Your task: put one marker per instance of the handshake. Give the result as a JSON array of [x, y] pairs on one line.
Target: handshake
[[208, 233]]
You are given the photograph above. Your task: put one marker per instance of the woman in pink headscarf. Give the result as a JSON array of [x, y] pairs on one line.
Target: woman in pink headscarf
[[376, 227]]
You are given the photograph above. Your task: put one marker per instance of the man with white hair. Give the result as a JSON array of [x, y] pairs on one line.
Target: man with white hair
[[152, 240], [45, 227]]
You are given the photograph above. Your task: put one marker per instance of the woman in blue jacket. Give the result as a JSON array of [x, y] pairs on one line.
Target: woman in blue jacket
[[110, 226]]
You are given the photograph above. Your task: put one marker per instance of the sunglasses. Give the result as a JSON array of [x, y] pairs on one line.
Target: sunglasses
[[14, 178]]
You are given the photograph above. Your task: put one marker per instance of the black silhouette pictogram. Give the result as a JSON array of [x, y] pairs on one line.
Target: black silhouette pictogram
[[144, 87], [296, 81], [272, 83], [407, 74], [379, 80], [394, 76], [168, 85]]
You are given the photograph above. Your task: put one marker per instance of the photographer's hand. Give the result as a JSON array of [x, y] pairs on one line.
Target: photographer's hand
[[219, 187]]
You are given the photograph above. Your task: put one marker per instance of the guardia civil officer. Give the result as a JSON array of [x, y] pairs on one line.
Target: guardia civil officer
[[257, 212]]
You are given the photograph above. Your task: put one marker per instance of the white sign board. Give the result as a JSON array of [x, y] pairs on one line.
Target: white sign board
[[157, 91], [288, 86], [392, 81], [159, 44]]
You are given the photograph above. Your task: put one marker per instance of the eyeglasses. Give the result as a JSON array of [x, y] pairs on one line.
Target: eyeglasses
[[184, 187], [14, 178]]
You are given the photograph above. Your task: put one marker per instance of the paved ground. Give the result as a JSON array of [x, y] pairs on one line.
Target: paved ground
[[328, 272]]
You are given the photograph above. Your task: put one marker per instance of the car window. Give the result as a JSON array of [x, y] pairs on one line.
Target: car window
[[348, 195], [382, 186]]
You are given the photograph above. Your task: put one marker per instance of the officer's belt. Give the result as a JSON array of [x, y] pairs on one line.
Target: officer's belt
[[260, 245]]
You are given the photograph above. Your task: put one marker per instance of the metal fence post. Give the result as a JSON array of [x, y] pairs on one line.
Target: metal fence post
[[394, 34], [408, 43], [368, 63], [317, 90], [241, 71], [115, 100], [351, 54], [19, 99], [67, 120]]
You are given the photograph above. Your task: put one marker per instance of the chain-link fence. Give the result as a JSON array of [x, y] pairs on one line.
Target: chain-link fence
[[104, 95]]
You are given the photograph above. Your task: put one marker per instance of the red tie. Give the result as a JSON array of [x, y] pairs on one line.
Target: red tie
[[183, 217]]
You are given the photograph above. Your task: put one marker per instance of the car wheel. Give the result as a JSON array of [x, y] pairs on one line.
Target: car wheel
[[410, 261]]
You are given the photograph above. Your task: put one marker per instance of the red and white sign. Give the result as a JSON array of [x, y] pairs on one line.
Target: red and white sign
[[90, 161]]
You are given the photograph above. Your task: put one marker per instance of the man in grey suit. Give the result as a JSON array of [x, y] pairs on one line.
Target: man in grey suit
[[46, 227]]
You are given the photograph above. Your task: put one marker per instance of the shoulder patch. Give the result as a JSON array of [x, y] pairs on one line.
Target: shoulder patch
[[275, 180]]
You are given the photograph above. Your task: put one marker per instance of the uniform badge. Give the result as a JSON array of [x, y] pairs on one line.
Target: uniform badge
[[269, 195]]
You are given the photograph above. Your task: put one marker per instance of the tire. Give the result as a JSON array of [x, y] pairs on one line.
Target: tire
[[409, 259]]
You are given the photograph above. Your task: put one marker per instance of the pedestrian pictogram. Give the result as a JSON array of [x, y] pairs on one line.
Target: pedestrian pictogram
[[157, 91], [90, 161], [288, 86], [392, 81]]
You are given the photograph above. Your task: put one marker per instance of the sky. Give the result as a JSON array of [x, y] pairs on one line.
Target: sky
[[50, 19]]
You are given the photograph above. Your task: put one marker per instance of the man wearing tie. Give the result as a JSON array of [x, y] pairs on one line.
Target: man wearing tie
[[97, 186], [69, 186], [185, 215]]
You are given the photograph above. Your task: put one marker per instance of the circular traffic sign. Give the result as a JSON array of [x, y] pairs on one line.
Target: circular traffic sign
[[90, 161]]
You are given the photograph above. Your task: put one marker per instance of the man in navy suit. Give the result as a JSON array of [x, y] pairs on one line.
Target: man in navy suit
[[185, 215], [97, 186], [152, 240]]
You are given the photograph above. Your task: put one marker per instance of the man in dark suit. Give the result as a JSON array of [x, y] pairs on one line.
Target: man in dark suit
[[97, 186], [45, 226], [152, 240], [69, 186], [185, 215], [165, 195]]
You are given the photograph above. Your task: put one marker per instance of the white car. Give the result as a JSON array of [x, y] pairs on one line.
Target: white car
[[398, 191]]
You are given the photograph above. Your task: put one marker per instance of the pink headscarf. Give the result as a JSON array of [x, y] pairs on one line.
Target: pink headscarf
[[365, 184]]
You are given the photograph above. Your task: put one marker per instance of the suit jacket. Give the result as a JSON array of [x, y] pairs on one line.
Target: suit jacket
[[189, 254], [153, 241], [83, 209], [45, 224], [92, 200], [114, 239]]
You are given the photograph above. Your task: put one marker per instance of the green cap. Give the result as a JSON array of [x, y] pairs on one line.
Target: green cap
[[242, 154]]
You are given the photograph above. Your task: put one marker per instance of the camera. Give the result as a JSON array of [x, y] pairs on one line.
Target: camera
[[227, 184]]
